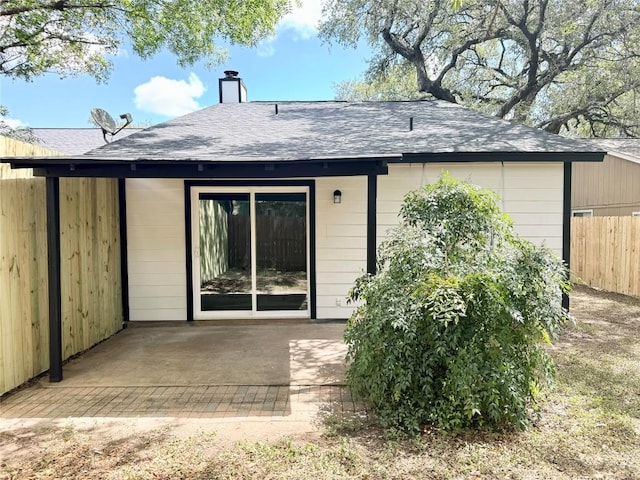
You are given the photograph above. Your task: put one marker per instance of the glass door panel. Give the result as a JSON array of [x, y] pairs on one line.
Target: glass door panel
[[281, 251], [225, 252]]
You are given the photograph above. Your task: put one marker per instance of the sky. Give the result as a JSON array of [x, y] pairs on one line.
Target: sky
[[293, 65]]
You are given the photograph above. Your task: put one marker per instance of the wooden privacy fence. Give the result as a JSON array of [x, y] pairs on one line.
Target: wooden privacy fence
[[605, 253], [90, 266], [280, 242]]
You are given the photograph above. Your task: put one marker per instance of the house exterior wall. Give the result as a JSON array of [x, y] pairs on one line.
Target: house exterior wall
[[531, 194], [156, 249], [341, 242], [610, 188], [156, 246]]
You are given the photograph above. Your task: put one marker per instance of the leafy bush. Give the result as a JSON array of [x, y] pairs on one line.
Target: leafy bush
[[450, 330]]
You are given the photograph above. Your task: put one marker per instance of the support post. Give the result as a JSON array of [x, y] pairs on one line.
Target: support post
[[372, 194], [566, 225], [188, 249], [53, 252], [124, 262]]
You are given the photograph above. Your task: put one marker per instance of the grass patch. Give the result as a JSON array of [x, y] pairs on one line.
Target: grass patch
[[588, 427]]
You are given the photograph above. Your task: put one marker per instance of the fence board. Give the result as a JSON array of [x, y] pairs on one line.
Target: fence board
[[90, 265], [633, 277], [280, 242], [91, 271], [605, 253], [23, 324]]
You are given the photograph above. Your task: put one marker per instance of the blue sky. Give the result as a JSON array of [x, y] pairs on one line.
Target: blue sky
[[294, 65]]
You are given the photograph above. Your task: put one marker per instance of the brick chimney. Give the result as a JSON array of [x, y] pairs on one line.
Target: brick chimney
[[232, 89]]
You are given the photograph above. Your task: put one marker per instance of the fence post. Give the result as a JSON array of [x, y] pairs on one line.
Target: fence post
[[53, 248]]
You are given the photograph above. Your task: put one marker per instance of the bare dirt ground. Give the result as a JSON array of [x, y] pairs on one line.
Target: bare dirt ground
[[588, 428]]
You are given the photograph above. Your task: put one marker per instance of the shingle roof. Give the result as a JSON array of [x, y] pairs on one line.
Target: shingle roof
[[315, 130], [627, 148], [74, 141]]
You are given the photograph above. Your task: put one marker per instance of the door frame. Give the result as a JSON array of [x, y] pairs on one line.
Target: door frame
[[189, 185]]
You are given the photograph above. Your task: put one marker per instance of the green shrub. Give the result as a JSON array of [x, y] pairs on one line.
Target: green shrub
[[449, 331]]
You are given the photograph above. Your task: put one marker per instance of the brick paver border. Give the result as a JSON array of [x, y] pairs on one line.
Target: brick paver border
[[200, 401]]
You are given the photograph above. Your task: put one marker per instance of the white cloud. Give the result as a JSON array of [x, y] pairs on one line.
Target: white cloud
[[169, 97], [304, 19], [14, 123], [265, 48], [122, 53]]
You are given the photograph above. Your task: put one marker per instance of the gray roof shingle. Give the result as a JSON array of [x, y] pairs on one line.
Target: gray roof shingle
[[314, 130], [74, 141], [628, 148]]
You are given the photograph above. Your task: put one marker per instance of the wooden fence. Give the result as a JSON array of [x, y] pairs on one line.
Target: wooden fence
[[280, 242], [90, 266], [605, 253]]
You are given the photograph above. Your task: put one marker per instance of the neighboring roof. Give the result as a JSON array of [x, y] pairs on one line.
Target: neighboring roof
[[75, 141], [331, 130], [625, 148]]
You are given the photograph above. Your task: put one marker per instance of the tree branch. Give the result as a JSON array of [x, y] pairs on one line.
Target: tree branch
[[555, 123], [59, 5]]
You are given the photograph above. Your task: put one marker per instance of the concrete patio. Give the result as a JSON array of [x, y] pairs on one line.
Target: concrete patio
[[279, 371]]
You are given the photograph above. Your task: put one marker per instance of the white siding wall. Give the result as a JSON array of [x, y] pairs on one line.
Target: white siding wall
[[156, 249], [533, 199], [530, 194], [341, 242]]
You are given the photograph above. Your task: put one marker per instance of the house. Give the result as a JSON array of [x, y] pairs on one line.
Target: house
[[273, 209], [610, 188]]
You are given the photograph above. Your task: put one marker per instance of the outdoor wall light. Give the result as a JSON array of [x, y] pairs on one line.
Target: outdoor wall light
[[337, 196]]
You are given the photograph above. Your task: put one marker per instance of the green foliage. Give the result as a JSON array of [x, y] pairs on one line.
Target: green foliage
[[397, 82], [79, 36], [563, 66], [449, 331]]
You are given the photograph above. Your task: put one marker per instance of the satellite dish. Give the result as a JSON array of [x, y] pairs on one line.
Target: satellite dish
[[107, 123], [104, 120]]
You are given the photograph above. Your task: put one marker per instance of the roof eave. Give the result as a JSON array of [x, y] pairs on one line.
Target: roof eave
[[191, 168], [624, 156], [93, 166], [489, 157], [93, 160], [407, 157]]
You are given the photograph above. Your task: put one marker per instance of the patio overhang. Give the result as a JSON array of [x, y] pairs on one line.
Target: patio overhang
[[54, 168], [84, 166]]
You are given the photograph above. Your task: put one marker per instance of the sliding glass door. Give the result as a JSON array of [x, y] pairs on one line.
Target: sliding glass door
[[281, 251], [251, 252], [224, 248]]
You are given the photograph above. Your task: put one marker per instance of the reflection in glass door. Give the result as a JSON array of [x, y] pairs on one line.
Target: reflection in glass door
[[225, 252], [251, 255], [281, 251]]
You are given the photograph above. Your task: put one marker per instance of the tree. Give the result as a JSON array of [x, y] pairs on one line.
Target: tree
[[449, 331], [76, 36], [17, 132], [559, 65], [396, 83]]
